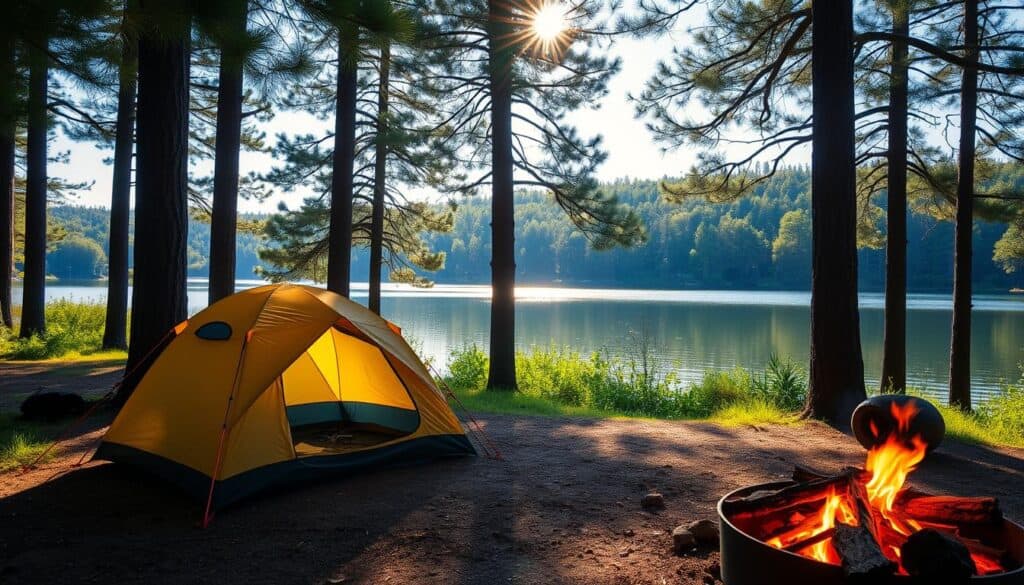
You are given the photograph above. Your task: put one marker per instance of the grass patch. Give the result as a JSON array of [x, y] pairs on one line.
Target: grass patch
[[562, 382], [73, 331], [754, 412], [998, 422], [21, 444]]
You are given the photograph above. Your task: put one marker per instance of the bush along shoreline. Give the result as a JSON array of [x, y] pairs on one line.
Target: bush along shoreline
[[562, 382]]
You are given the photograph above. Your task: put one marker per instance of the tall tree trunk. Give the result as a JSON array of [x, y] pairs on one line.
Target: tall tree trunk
[[8, 120], [836, 382], [379, 181], [960, 344], [115, 329], [339, 253], [502, 373], [33, 304], [159, 298], [894, 345], [223, 222]]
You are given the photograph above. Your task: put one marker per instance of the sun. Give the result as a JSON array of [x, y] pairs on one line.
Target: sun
[[546, 30], [549, 22]]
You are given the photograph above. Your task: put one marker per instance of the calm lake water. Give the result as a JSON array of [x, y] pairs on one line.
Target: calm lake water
[[690, 331]]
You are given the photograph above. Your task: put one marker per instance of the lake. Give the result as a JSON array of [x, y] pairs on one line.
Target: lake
[[690, 331]]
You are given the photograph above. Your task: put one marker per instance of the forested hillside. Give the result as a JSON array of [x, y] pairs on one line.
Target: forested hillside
[[759, 241], [81, 253]]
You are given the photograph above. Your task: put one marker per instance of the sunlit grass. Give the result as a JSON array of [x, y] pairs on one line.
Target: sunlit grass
[[20, 444], [561, 382], [74, 332], [754, 412], [993, 424]]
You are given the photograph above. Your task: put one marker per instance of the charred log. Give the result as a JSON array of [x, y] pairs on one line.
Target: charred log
[[937, 557], [861, 556]]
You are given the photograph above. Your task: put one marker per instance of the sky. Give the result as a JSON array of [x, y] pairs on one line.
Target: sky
[[631, 151]]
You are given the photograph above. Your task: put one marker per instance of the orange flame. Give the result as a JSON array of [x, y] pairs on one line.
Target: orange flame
[[889, 465], [891, 462]]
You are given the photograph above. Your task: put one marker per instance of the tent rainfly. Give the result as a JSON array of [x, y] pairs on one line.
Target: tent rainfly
[[278, 384]]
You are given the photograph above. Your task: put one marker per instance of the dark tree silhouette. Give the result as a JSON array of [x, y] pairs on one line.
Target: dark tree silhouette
[[836, 376], [33, 316], [960, 342], [159, 298], [502, 372], [116, 325], [224, 216], [339, 255], [8, 125], [380, 173], [894, 344]]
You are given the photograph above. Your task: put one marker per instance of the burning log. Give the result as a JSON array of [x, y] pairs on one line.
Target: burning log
[[953, 509], [766, 503], [802, 473], [937, 557], [860, 554]]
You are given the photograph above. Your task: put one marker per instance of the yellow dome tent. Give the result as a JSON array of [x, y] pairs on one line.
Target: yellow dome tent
[[277, 384]]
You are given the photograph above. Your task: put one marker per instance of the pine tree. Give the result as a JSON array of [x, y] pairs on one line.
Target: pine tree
[[159, 300], [396, 149], [8, 122], [115, 328], [509, 94]]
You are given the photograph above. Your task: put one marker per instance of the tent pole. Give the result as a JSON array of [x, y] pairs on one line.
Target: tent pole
[[207, 512]]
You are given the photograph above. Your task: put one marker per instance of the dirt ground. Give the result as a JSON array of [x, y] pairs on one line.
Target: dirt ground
[[564, 507]]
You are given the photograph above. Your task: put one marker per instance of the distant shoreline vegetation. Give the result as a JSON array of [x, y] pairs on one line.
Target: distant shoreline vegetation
[[759, 242]]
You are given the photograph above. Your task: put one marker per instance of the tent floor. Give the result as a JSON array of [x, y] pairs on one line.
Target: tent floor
[[333, 438]]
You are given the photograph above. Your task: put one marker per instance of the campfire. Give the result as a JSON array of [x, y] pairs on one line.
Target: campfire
[[870, 523]]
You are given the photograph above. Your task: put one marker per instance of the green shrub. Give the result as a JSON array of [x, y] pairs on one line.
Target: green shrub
[[467, 369], [70, 328], [717, 390], [562, 378], [1005, 414], [557, 374], [782, 384]]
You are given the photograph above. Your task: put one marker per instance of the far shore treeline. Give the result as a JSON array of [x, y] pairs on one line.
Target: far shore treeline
[[758, 242]]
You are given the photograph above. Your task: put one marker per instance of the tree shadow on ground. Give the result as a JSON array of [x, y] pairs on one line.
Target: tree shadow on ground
[[564, 507]]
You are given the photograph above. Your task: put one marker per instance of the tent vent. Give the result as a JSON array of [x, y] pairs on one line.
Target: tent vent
[[214, 331]]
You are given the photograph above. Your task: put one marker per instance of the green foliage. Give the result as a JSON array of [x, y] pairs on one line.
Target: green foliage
[[999, 421], [1009, 250], [76, 257], [1004, 414], [70, 328], [467, 368], [561, 378], [773, 220], [782, 384]]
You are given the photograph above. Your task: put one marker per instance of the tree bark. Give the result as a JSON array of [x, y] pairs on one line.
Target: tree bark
[[224, 219], [159, 298], [116, 326], [894, 345], [33, 304], [836, 383], [8, 119], [379, 181], [339, 254], [502, 374], [960, 343]]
